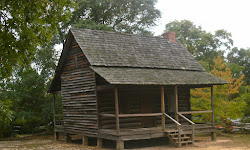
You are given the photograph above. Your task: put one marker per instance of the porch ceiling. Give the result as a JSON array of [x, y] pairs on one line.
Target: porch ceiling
[[149, 76]]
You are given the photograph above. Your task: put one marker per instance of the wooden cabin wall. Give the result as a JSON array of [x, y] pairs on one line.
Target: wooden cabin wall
[[78, 94], [183, 102], [130, 102]]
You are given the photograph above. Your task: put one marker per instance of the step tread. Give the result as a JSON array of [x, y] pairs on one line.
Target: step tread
[[186, 137], [184, 142], [178, 133]]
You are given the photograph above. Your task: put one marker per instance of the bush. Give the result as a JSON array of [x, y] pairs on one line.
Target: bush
[[6, 116]]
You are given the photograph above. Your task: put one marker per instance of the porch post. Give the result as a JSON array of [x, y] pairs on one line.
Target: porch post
[[213, 134], [162, 108], [176, 103], [117, 112]]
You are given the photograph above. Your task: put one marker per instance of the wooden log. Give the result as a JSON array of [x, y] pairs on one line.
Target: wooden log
[[85, 140], [163, 122], [195, 112], [99, 142], [54, 110], [107, 115], [176, 104], [140, 115], [117, 113], [212, 104], [119, 145]]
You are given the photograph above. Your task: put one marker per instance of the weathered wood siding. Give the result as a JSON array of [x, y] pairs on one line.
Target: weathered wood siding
[[78, 94], [107, 105]]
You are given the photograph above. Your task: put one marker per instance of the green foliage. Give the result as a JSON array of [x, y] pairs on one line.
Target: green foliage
[[6, 115], [203, 45], [127, 16], [31, 104], [226, 104], [24, 26], [239, 60], [246, 98]]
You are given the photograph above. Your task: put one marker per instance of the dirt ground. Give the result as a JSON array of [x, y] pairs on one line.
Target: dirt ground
[[203, 142]]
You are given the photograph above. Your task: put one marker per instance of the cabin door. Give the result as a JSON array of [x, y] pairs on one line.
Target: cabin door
[[147, 107]]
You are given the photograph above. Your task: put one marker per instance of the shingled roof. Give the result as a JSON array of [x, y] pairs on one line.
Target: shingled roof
[[137, 60], [127, 50]]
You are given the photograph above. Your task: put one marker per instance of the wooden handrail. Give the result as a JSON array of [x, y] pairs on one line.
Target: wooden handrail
[[140, 115], [195, 112], [172, 119], [193, 136], [186, 118]]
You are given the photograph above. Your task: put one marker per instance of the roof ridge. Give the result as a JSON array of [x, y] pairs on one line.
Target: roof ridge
[[133, 67], [121, 33]]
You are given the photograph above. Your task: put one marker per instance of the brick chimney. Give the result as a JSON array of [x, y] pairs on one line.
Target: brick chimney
[[170, 35]]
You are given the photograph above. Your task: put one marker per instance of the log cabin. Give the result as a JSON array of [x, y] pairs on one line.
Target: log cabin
[[125, 87]]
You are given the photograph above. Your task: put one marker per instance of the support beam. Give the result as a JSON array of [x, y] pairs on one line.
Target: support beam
[[176, 104], [212, 104], [54, 117], [85, 140], [163, 108], [67, 138], [213, 134], [117, 112], [119, 145], [99, 142], [56, 136]]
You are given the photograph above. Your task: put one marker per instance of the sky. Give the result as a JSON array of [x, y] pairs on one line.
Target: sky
[[211, 15]]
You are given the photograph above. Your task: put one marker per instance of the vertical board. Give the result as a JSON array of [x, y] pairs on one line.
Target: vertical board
[[78, 89]]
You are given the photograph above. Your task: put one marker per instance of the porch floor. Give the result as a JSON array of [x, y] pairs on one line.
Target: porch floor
[[199, 128]]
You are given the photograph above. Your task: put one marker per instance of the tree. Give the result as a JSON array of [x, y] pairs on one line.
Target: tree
[[239, 60], [227, 105], [203, 45], [127, 16], [6, 116], [246, 97], [25, 26], [31, 106]]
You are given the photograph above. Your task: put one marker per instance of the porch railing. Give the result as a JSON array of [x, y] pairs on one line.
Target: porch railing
[[178, 125], [192, 123], [131, 115]]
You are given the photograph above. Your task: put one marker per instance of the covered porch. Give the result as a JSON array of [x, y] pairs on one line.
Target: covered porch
[[145, 112]]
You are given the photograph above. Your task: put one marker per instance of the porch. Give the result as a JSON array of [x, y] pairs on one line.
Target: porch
[[150, 122]]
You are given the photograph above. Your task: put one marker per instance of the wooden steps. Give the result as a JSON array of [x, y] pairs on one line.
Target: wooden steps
[[185, 139]]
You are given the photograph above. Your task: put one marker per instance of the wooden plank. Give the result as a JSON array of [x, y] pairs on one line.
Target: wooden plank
[[176, 103], [186, 119], [212, 104], [163, 122], [99, 142], [117, 112], [54, 109], [85, 140], [140, 115], [213, 134], [176, 122], [195, 112], [107, 115]]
